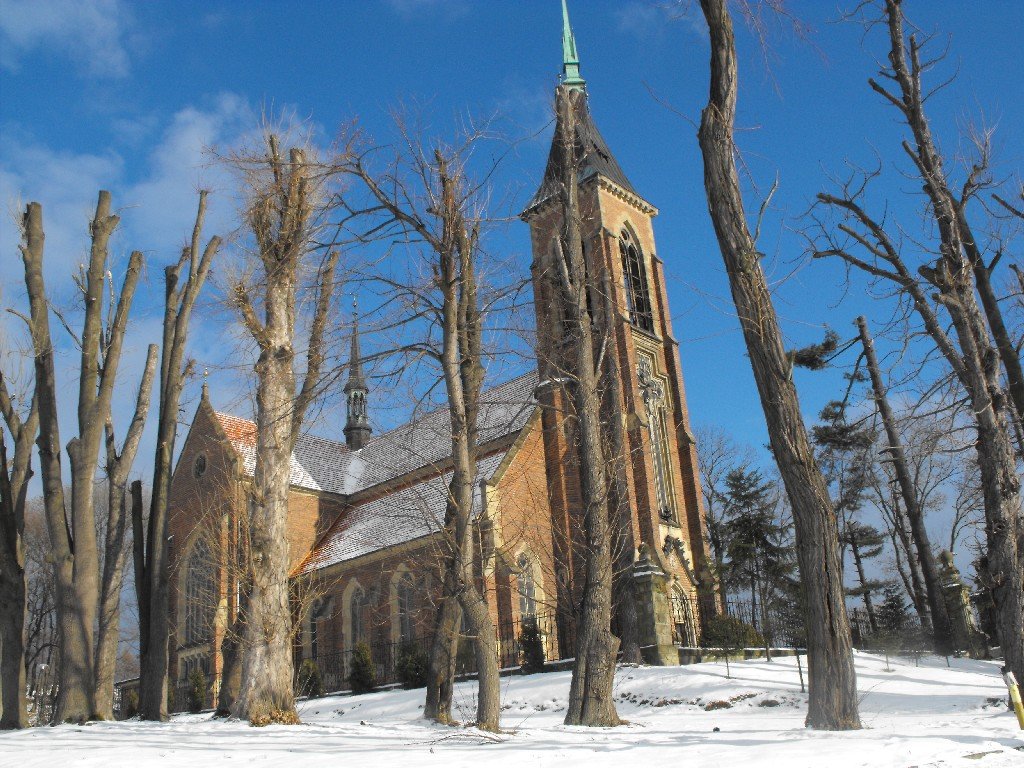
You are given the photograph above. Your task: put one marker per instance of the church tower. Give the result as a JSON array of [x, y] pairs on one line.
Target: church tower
[[357, 424], [627, 278]]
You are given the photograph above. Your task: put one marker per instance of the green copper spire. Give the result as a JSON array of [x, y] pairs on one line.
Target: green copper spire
[[570, 59]]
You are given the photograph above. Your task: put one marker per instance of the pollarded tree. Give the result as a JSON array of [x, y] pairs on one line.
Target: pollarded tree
[[287, 200], [72, 528], [183, 282], [15, 473]]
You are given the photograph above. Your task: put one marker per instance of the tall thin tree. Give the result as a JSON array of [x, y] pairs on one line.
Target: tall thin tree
[[833, 688], [151, 538], [15, 473]]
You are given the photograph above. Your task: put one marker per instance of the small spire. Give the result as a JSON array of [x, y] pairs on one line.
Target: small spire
[[570, 59], [355, 358], [357, 425]]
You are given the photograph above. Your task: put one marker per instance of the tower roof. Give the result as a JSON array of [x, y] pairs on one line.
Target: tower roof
[[596, 159]]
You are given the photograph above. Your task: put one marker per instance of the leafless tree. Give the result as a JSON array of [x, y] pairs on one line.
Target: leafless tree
[[574, 286], [944, 291], [425, 196], [183, 282], [833, 690], [719, 454], [287, 202], [72, 529], [115, 553], [15, 473], [895, 453]]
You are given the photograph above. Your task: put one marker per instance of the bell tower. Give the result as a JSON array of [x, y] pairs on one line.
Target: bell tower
[[627, 282]]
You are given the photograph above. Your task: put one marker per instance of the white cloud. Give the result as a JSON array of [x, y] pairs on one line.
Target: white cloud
[[411, 8], [92, 33], [647, 19]]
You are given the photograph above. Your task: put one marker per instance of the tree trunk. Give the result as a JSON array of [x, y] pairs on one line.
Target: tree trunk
[[833, 689], [151, 550], [266, 691], [281, 214], [624, 547], [12, 648], [14, 478], [866, 593], [593, 673], [443, 654], [942, 633]]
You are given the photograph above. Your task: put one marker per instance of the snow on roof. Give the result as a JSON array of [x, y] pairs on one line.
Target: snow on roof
[[327, 465], [405, 515]]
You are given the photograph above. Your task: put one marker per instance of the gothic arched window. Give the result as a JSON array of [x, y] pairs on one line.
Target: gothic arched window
[[405, 597], [356, 606], [199, 594], [634, 275], [527, 585]]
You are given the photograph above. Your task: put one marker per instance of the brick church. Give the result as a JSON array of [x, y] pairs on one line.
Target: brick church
[[366, 510]]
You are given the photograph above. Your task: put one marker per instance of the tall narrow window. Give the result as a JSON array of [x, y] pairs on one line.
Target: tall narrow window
[[199, 594], [527, 587], [634, 275], [405, 595], [356, 604]]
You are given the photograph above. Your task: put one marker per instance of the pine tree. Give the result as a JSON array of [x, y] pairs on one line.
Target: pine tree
[[865, 542], [893, 613], [758, 557]]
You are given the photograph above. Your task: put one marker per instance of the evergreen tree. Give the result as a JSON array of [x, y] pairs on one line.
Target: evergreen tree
[[865, 542], [758, 556], [893, 613]]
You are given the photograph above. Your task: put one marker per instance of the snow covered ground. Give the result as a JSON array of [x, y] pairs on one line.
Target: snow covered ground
[[912, 716]]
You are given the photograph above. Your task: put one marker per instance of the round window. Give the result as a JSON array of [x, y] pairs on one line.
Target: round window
[[199, 467]]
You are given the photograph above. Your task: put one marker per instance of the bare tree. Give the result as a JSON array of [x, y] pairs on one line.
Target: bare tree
[[150, 542], [593, 672], [949, 278], [833, 690], [14, 478], [426, 196], [73, 530], [115, 552], [915, 515], [287, 200]]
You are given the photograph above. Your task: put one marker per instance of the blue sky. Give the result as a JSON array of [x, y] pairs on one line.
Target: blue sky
[[125, 96]]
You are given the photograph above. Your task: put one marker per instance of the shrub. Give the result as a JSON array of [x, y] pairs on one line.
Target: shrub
[[275, 717], [363, 675], [129, 703], [411, 665], [531, 641], [196, 695], [309, 683], [730, 633]]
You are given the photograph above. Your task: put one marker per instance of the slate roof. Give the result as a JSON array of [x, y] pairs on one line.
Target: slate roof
[[405, 515], [319, 464], [597, 158]]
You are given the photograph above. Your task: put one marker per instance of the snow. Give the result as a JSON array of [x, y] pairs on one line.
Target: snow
[[927, 715]]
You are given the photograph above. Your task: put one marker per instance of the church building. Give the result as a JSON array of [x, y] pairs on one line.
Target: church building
[[366, 511]]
